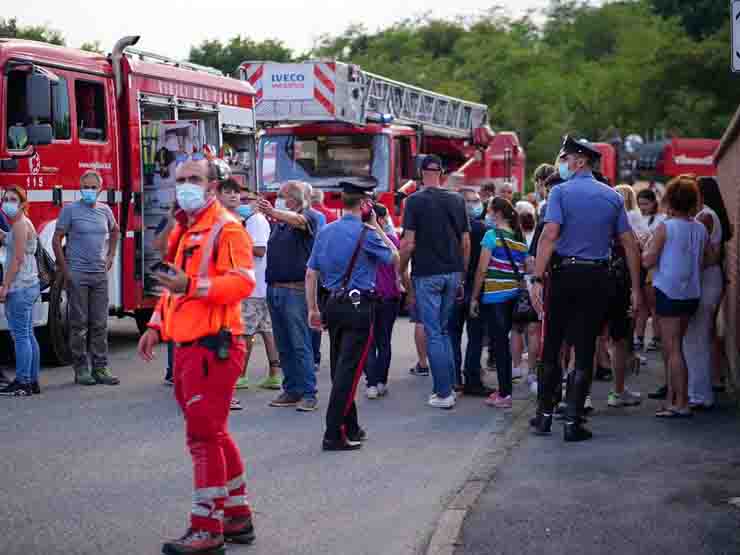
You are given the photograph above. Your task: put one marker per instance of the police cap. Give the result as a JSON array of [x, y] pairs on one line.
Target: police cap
[[358, 186], [431, 163], [582, 146]]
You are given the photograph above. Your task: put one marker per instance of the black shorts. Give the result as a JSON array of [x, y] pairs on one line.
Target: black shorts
[[674, 308], [618, 315]]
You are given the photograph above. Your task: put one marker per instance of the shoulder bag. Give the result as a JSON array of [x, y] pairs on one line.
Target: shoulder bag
[[524, 312]]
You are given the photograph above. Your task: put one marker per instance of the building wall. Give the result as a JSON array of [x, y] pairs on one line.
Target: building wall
[[729, 180]]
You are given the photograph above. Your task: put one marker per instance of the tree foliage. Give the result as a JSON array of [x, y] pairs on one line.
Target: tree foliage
[[93, 46], [228, 56], [9, 28]]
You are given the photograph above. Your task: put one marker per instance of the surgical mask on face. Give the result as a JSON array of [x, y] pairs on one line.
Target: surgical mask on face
[[245, 210], [280, 204], [190, 196], [564, 171], [89, 196], [10, 208], [475, 210]]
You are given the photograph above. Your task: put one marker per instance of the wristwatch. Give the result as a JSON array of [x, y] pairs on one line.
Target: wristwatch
[[537, 279]]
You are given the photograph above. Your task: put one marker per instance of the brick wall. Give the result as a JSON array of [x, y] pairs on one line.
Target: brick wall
[[729, 180]]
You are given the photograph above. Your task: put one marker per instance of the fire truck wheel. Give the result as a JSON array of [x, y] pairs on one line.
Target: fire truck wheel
[[142, 318], [57, 328]]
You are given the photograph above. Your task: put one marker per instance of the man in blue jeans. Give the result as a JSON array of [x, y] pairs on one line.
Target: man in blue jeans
[[288, 249], [437, 243]]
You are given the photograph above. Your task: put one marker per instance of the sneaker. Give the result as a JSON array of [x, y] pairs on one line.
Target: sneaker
[[603, 374], [242, 383], [104, 376], [442, 402], [588, 406], [372, 392], [307, 404], [195, 542], [382, 389], [35, 388], [541, 424], [654, 345], [533, 387], [479, 390], [271, 382], [625, 399], [235, 404], [496, 401], [169, 380], [340, 445], [359, 435], [84, 377], [574, 431], [16, 389], [239, 529], [285, 400], [419, 370]]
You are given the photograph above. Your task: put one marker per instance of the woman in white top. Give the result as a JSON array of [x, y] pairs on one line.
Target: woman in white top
[[637, 221], [701, 333], [679, 250]]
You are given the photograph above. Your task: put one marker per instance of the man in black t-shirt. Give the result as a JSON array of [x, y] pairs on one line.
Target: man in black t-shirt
[[437, 243]]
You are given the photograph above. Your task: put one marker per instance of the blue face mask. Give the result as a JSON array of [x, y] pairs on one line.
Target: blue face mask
[[89, 196], [564, 171], [475, 210], [190, 196], [490, 221], [10, 208], [245, 210]]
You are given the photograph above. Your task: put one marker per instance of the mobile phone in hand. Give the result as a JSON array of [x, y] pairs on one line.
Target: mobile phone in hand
[[163, 268]]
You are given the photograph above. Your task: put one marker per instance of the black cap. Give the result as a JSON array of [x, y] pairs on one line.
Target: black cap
[[358, 187], [431, 163], [582, 146]]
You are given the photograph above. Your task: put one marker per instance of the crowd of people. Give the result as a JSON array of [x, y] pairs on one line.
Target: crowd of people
[[523, 280]]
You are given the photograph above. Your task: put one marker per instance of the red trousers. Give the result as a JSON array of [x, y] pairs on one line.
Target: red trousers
[[204, 386]]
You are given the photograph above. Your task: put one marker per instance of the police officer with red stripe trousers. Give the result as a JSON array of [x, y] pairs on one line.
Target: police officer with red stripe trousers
[[345, 257]]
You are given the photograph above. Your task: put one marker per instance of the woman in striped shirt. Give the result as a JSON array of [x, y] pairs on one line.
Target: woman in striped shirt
[[496, 277]]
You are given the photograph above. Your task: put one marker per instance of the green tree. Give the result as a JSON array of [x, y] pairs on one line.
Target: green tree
[[228, 56], [700, 18], [93, 46], [9, 28]]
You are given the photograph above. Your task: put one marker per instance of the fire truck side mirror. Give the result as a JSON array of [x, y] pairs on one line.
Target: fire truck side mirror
[[482, 137], [38, 97]]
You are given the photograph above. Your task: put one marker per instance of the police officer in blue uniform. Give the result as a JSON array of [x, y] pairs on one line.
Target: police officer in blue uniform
[[344, 259], [583, 217]]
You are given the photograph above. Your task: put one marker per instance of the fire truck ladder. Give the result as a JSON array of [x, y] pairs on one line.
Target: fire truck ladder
[[414, 106], [145, 56]]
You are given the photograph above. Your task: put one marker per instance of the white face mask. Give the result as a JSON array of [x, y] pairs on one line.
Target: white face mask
[[190, 196], [280, 204]]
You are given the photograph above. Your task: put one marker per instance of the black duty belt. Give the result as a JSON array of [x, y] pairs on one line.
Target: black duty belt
[[563, 262], [353, 296]]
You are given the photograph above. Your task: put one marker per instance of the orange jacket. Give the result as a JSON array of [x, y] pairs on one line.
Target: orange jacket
[[216, 254]]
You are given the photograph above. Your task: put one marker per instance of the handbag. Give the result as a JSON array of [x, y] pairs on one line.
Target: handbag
[[45, 266], [524, 312]]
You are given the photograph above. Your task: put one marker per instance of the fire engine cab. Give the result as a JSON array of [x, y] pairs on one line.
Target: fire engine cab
[[130, 116], [325, 121]]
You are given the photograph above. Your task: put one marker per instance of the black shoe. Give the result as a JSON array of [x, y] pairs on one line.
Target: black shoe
[[603, 374], [660, 393], [17, 389], [35, 388], [574, 431], [341, 445], [359, 435], [477, 390], [541, 425], [419, 370], [239, 530], [4, 380]]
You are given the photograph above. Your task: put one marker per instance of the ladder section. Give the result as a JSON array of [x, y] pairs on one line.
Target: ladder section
[[151, 57], [415, 106]]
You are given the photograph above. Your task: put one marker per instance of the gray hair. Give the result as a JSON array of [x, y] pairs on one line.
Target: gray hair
[[501, 186], [92, 173], [297, 191], [317, 196]]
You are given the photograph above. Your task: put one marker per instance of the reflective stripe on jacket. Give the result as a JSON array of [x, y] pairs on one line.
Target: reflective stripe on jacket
[[216, 254]]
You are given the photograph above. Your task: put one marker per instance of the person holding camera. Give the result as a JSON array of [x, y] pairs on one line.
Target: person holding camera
[[200, 310], [345, 258]]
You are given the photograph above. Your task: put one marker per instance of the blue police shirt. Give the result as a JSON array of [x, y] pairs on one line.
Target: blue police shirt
[[320, 218], [333, 250], [590, 215]]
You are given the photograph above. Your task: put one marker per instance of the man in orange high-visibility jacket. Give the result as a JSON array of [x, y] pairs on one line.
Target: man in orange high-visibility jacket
[[200, 312]]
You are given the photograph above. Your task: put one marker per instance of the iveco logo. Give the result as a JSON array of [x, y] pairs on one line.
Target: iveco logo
[[288, 78]]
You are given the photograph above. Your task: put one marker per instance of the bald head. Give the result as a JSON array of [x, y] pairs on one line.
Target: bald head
[[194, 171]]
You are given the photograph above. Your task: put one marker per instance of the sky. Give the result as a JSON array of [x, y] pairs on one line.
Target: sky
[[171, 27]]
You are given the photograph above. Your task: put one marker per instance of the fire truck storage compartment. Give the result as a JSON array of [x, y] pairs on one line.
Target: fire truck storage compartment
[[163, 142]]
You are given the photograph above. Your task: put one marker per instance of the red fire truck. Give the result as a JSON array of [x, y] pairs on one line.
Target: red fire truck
[[325, 121], [129, 115]]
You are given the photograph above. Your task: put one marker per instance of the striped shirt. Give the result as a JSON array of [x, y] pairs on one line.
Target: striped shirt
[[501, 284]]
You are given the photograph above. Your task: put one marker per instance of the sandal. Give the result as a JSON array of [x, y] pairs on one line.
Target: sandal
[[275, 364], [672, 412]]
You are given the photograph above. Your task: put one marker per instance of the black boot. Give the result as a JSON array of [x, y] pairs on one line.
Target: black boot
[[541, 424], [573, 430]]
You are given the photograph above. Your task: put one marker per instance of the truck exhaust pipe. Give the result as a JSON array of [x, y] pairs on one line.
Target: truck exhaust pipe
[[116, 56]]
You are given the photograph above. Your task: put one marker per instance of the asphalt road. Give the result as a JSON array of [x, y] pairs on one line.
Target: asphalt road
[[89, 470]]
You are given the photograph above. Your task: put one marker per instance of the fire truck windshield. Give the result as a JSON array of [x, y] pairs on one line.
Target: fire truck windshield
[[323, 161]]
